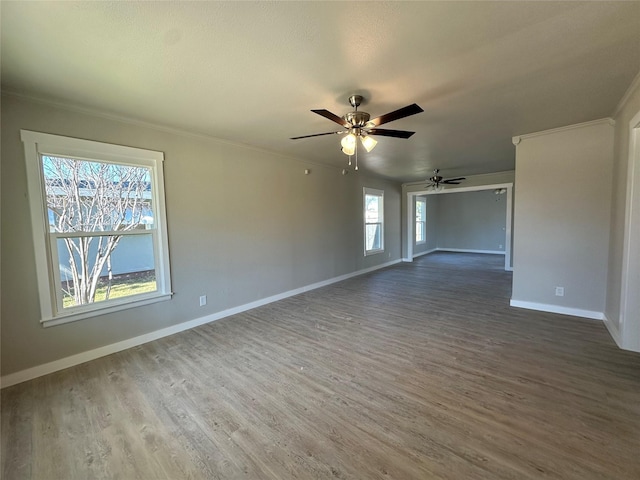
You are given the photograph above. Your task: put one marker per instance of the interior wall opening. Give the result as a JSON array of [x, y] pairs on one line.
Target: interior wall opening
[[504, 193]]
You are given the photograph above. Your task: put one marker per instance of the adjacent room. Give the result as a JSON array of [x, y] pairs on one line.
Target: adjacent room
[[308, 240]]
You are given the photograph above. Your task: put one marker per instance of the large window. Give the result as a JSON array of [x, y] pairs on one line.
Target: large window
[[99, 226], [373, 221], [421, 220]]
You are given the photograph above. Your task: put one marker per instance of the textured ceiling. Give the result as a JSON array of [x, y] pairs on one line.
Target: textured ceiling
[[251, 72]]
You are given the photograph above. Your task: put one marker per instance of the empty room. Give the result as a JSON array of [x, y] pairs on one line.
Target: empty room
[[320, 240]]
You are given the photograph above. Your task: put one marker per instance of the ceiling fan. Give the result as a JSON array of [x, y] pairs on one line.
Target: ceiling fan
[[358, 124], [437, 181]]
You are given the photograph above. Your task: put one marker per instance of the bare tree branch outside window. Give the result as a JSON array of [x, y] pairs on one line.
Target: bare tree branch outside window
[[84, 198]]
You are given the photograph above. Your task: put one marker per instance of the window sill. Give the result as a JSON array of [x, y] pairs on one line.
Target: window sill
[[373, 252], [96, 311]]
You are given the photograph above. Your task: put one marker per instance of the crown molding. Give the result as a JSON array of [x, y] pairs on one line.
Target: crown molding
[[635, 83], [165, 128], [518, 138]]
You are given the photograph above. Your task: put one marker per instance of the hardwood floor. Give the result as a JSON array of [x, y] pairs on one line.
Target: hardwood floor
[[417, 371]]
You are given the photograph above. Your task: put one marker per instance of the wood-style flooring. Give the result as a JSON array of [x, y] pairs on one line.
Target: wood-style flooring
[[416, 371]]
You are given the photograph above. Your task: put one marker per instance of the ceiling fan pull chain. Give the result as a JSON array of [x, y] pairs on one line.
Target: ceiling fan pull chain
[[356, 156]]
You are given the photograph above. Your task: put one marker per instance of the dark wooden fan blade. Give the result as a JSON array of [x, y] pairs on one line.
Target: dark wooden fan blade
[[333, 117], [316, 135], [396, 115], [390, 133], [450, 183], [452, 180]]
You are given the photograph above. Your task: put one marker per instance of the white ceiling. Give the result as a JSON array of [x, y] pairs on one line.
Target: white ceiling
[[250, 72]]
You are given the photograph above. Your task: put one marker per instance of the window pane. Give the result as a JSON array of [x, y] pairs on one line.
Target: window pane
[[372, 203], [88, 196], [128, 270], [419, 231], [421, 210], [373, 240]]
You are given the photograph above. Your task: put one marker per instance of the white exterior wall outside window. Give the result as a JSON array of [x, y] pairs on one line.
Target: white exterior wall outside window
[[99, 226], [373, 221], [421, 221]]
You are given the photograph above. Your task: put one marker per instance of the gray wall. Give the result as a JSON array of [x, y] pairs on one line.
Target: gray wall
[[471, 181], [562, 217], [472, 220], [243, 225]]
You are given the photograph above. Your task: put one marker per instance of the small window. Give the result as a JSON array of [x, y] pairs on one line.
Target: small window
[[373, 221], [421, 218], [99, 226]]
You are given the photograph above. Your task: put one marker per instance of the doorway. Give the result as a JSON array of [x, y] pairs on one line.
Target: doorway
[[410, 220]]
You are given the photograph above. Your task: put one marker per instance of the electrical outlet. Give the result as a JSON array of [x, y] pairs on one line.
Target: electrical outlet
[[559, 291], [203, 300], [500, 246]]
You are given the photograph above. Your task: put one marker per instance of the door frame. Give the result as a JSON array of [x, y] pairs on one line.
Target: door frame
[[409, 233], [630, 285]]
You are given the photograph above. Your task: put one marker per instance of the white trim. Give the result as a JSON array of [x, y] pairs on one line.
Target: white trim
[[460, 250], [469, 250], [518, 138], [613, 331], [629, 323], [114, 305], [408, 242], [544, 307], [635, 83], [416, 255], [37, 144], [474, 188], [61, 364], [158, 127]]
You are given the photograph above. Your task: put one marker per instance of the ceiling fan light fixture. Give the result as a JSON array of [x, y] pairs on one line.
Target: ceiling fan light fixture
[[368, 142], [349, 150], [359, 124], [348, 141]]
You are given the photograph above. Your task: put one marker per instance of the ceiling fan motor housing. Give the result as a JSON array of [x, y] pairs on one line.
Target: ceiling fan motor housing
[[359, 124], [357, 119]]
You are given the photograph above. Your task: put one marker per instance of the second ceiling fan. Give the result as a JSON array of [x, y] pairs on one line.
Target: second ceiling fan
[[437, 181], [359, 124]]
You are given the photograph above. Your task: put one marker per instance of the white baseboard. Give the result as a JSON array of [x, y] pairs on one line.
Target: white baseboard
[[424, 253], [467, 250], [613, 331], [61, 364], [543, 307]]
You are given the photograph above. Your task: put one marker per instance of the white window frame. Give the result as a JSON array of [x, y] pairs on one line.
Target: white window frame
[[379, 193], [421, 224], [37, 144]]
